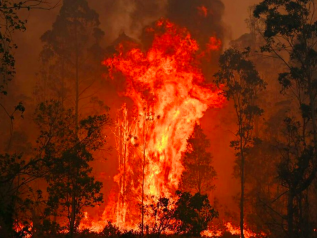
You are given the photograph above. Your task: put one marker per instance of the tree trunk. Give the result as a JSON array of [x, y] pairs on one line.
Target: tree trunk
[[73, 212], [242, 187], [77, 89], [72, 219], [290, 214], [242, 196]]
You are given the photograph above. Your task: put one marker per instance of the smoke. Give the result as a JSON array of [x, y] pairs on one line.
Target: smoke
[[203, 18], [128, 16]]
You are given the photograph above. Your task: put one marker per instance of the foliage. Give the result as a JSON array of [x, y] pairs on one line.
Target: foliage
[[111, 230], [71, 55], [290, 34], [160, 216], [241, 84], [12, 22], [16, 196], [186, 215], [198, 171], [71, 187], [194, 213]]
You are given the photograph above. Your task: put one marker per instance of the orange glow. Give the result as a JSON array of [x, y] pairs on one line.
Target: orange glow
[[24, 229], [214, 44], [203, 11]]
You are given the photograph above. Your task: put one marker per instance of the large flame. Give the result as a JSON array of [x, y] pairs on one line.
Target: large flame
[[170, 95]]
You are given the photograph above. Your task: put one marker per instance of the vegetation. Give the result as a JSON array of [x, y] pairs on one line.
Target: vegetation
[[48, 160], [241, 85], [66, 156], [199, 172], [188, 215]]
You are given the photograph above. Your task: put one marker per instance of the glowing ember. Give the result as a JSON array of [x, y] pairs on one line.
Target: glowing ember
[[214, 44], [169, 93], [24, 230], [233, 230], [203, 11]]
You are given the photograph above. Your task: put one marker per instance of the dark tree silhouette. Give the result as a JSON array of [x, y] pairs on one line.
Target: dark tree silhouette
[[241, 85], [290, 34], [198, 172], [66, 155], [71, 57], [194, 213], [12, 22], [160, 217]]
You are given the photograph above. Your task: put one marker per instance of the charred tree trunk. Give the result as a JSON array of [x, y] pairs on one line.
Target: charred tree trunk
[[290, 214], [73, 203], [72, 221], [77, 87], [242, 189], [63, 82]]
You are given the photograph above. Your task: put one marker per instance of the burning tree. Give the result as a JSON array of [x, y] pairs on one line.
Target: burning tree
[[169, 90], [241, 83], [198, 171]]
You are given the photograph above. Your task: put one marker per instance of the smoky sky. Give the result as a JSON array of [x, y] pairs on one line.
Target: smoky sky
[[203, 18], [131, 16]]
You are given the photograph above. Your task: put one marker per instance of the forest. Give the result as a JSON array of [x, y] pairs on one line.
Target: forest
[[158, 118]]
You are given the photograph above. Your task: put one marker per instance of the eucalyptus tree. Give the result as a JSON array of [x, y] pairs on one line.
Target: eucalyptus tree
[[241, 84], [66, 158], [290, 36], [71, 57], [198, 171]]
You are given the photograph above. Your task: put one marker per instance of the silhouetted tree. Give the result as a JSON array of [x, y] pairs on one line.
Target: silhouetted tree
[[15, 171], [241, 85], [67, 155], [12, 22], [184, 214], [290, 34], [198, 171], [159, 216], [72, 57], [193, 213]]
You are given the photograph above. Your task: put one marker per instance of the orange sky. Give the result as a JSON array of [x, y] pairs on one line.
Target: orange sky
[[236, 11]]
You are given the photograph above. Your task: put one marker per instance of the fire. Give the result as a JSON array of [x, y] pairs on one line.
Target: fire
[[203, 11], [214, 44], [170, 96], [233, 230]]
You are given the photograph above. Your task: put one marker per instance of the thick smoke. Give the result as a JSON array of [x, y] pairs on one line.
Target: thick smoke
[[203, 18], [129, 16]]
